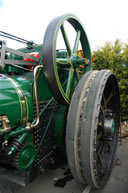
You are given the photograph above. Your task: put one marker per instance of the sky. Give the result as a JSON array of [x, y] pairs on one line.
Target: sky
[[103, 20]]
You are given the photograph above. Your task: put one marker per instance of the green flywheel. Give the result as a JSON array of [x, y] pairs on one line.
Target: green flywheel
[[63, 73]]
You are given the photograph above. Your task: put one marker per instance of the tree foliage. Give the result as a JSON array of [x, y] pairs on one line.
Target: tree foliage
[[115, 57]]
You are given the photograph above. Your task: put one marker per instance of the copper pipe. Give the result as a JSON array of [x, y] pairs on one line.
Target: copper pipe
[[29, 126]]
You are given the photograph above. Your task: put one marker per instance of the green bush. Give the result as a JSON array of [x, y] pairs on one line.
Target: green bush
[[115, 58]]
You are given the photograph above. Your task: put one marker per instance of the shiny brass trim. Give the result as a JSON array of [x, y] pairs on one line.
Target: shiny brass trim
[[5, 124], [28, 125]]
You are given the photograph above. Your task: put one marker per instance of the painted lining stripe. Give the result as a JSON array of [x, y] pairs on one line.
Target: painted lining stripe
[[21, 98]]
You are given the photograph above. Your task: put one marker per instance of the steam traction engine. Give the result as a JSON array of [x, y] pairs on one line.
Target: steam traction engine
[[51, 99]]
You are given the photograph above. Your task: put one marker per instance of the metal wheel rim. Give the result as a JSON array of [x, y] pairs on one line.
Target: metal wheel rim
[[86, 130], [56, 85]]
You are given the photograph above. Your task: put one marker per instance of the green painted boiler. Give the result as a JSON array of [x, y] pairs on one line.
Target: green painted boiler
[[52, 104]]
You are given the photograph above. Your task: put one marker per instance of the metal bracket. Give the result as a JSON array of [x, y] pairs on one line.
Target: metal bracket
[[4, 61], [5, 124], [2, 53]]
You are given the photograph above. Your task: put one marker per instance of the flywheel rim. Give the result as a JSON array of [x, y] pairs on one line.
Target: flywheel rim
[[50, 63]]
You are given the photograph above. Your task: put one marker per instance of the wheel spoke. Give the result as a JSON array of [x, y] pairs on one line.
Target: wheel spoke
[[101, 161], [65, 82], [99, 136], [77, 75], [105, 105], [76, 42], [109, 98], [69, 82], [108, 143], [102, 108], [106, 101], [99, 155], [66, 40]]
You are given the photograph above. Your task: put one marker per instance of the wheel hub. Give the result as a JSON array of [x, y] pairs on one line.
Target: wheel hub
[[74, 61], [109, 127]]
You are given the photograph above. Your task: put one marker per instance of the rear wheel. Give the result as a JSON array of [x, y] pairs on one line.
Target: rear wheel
[[92, 127]]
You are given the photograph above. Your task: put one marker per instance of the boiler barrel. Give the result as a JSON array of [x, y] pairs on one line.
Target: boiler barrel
[[15, 102]]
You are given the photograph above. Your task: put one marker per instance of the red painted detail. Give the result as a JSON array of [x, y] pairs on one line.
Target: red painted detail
[[92, 59], [81, 66], [81, 51], [35, 54], [85, 61]]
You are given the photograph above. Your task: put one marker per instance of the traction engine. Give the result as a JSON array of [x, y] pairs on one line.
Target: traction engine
[[51, 100]]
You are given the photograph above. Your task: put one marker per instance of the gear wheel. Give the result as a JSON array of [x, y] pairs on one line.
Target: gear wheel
[[25, 157]]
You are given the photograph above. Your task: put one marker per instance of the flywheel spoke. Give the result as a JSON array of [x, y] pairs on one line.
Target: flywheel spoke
[[69, 82], [76, 74], [76, 42], [66, 40]]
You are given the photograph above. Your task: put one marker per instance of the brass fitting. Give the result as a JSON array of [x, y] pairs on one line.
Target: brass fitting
[[5, 123], [28, 126]]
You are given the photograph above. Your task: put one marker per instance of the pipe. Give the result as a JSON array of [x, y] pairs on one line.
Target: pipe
[[31, 126]]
